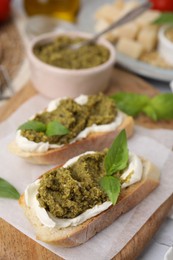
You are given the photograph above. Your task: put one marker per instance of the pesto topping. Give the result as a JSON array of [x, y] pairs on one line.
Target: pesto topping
[[99, 110], [68, 192], [57, 53]]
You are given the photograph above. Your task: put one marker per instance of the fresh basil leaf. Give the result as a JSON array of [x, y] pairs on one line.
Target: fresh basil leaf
[[56, 128], [7, 190], [111, 185], [164, 18], [150, 112], [117, 156], [130, 103], [160, 107], [33, 125]]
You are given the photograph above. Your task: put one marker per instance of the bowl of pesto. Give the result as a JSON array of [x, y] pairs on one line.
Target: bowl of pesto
[[57, 70]]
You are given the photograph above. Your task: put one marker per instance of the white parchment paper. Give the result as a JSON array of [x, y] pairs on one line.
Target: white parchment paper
[[110, 241]]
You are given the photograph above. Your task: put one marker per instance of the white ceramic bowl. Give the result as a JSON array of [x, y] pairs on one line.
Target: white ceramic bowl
[[171, 86], [165, 46], [56, 82]]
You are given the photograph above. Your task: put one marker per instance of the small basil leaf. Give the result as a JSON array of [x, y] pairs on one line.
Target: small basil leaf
[[150, 112], [130, 103], [111, 185], [33, 125], [56, 128], [160, 107], [7, 190], [164, 18], [117, 156]]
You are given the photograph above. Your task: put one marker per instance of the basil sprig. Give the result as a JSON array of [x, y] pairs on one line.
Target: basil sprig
[[130, 103], [55, 128], [115, 160], [164, 18], [50, 129], [33, 125], [111, 185], [7, 190], [160, 107], [117, 157]]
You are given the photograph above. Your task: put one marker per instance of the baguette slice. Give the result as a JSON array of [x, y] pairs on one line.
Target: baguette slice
[[74, 236], [60, 155]]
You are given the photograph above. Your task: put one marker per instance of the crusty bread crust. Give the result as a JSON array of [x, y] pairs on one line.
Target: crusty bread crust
[[58, 156], [74, 236]]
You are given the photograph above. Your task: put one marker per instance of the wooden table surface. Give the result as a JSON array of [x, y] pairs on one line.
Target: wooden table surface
[[15, 245]]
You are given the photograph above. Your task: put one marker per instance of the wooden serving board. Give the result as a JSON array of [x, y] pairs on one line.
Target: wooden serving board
[[15, 245]]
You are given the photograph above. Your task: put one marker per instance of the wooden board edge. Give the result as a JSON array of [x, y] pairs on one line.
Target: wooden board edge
[[130, 252], [16, 245], [16, 101], [136, 246]]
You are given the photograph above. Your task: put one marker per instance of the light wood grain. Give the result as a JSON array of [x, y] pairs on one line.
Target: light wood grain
[[15, 245], [16, 101], [134, 248]]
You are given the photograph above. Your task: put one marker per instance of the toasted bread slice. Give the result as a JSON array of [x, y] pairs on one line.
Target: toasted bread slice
[[60, 155], [73, 236]]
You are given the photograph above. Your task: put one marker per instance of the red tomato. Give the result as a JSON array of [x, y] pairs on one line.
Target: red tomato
[[162, 5], [4, 10]]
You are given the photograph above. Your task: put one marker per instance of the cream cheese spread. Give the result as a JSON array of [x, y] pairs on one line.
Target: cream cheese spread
[[50, 221], [29, 146], [134, 171], [132, 174]]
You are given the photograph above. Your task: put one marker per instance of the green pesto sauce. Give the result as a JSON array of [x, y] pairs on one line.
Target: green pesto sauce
[[99, 110], [57, 54], [68, 192]]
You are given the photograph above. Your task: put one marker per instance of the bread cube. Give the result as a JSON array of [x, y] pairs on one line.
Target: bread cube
[[119, 4], [108, 13], [103, 24], [148, 37], [128, 30], [130, 47], [147, 18]]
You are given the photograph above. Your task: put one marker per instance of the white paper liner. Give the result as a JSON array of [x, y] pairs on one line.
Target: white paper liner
[[110, 241], [169, 254]]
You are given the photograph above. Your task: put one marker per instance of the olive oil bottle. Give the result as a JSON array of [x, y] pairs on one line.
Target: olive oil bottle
[[62, 9]]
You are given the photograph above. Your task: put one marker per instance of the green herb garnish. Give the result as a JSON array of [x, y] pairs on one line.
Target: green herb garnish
[[160, 107], [164, 18], [33, 125], [117, 157], [55, 128], [50, 129], [7, 190], [115, 160], [111, 185], [130, 103]]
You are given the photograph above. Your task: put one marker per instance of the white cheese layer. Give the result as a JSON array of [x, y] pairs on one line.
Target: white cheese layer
[[50, 221], [134, 171], [29, 146], [133, 174]]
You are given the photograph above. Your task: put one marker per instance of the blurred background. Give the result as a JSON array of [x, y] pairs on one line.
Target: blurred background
[[21, 20]]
